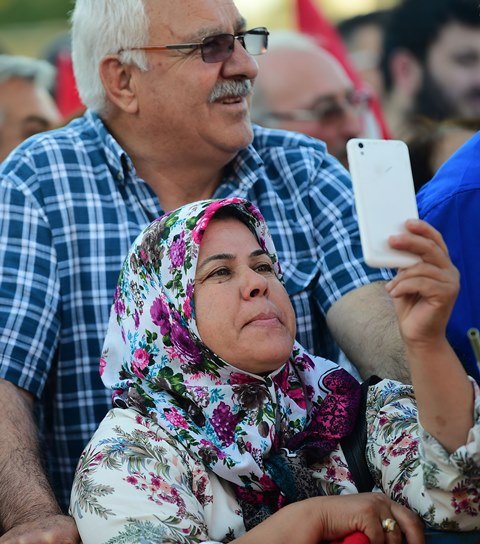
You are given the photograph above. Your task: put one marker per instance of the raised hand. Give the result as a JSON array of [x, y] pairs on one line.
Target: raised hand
[[423, 294]]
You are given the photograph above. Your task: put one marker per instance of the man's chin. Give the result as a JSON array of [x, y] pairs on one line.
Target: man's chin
[[239, 136]]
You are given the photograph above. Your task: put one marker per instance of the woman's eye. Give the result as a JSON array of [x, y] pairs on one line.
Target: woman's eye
[[264, 268], [220, 272]]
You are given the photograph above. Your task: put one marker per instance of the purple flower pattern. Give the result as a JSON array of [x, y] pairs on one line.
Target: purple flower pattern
[[160, 316]]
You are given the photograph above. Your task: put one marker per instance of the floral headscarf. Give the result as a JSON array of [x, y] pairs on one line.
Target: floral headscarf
[[234, 421]]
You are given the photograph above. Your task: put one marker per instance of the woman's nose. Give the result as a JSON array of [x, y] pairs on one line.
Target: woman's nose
[[254, 285]]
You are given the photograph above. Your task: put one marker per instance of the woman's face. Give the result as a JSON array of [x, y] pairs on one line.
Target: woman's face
[[243, 312]]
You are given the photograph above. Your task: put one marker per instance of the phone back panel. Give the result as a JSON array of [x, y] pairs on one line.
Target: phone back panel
[[384, 197]]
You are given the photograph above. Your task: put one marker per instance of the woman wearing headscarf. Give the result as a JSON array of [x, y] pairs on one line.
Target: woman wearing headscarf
[[225, 429]]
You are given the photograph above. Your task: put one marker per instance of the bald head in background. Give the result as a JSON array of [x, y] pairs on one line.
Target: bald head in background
[[302, 87]]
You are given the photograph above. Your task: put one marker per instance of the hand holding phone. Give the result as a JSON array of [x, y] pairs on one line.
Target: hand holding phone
[[384, 197]]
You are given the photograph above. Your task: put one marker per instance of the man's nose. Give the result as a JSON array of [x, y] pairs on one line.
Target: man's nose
[[240, 64], [352, 123]]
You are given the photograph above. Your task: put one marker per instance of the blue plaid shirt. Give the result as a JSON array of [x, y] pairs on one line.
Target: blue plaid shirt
[[70, 206]]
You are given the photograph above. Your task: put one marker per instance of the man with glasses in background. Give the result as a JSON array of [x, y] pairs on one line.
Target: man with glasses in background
[[167, 86], [302, 87]]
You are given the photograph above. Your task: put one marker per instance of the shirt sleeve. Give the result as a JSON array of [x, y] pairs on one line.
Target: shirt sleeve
[[29, 286], [337, 234], [135, 484], [414, 469]]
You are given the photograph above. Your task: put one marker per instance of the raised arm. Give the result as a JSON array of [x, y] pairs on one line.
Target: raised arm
[[29, 512], [364, 324], [424, 295]]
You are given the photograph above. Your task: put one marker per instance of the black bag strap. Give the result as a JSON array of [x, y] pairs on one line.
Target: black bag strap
[[354, 444]]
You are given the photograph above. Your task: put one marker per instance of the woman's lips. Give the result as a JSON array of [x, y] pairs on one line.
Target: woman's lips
[[264, 320]]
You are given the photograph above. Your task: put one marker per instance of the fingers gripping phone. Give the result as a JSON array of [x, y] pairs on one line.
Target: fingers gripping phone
[[384, 197]]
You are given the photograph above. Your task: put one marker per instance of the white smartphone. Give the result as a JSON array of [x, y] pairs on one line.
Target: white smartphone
[[384, 197]]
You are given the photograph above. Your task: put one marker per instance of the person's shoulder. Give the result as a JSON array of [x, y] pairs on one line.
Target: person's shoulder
[[46, 147], [267, 140], [294, 156], [45, 158], [128, 427], [458, 178]]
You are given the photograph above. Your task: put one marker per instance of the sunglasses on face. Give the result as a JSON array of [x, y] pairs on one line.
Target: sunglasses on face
[[219, 47]]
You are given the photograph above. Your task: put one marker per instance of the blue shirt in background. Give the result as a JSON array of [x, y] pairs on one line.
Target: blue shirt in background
[[451, 203]]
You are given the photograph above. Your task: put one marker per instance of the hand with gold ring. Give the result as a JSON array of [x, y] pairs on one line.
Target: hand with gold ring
[[336, 517], [388, 525]]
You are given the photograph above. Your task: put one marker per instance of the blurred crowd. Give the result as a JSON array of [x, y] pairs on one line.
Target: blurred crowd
[[418, 61]]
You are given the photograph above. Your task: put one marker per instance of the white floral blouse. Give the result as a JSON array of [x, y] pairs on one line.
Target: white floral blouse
[[136, 484]]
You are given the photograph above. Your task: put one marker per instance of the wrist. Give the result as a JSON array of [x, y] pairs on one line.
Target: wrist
[[427, 350], [314, 515], [37, 512]]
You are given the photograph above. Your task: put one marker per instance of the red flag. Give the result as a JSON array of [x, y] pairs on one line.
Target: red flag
[[66, 94], [311, 21]]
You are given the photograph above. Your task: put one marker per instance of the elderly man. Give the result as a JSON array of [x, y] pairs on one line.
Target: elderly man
[[431, 62], [302, 87], [166, 84], [26, 106]]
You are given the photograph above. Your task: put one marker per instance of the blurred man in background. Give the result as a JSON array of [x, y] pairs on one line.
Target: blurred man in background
[[26, 107], [431, 62], [302, 87], [363, 37]]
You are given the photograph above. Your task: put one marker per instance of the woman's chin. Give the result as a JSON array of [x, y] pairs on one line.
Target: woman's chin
[[264, 361]]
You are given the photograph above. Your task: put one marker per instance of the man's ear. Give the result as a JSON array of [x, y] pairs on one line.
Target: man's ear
[[117, 81], [407, 72]]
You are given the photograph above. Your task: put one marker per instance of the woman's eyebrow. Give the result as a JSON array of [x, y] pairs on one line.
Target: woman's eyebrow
[[258, 252], [227, 257], [216, 257]]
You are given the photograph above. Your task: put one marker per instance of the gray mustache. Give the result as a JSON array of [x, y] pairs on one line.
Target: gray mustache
[[230, 89]]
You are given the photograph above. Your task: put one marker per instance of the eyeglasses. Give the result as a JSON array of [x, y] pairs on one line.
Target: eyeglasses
[[218, 48], [328, 110]]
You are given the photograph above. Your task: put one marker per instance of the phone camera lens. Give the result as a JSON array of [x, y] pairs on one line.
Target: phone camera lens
[[360, 145]]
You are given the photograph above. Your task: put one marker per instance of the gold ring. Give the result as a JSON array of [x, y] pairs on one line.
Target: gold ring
[[388, 525]]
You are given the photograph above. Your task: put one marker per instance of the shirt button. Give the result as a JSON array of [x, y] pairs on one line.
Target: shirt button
[[120, 176]]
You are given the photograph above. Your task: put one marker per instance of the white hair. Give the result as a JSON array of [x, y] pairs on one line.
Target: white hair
[[39, 72], [101, 28]]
